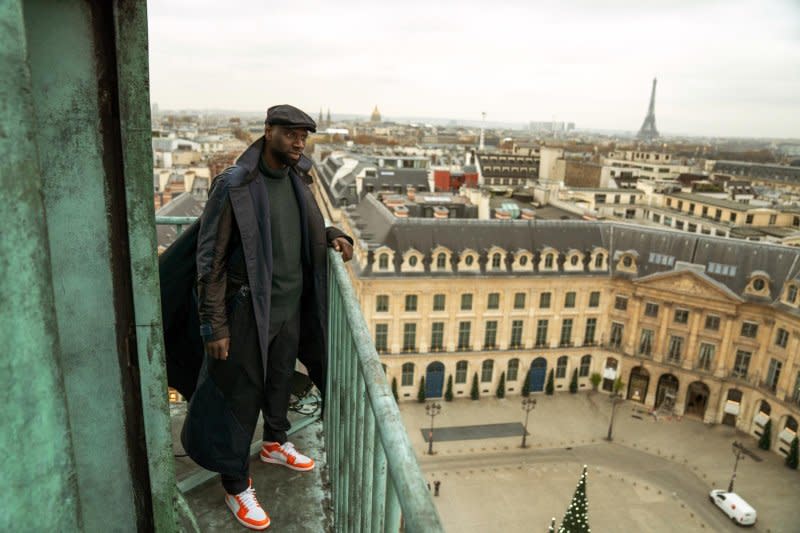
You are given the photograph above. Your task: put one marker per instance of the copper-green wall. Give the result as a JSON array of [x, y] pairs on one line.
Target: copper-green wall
[[84, 425]]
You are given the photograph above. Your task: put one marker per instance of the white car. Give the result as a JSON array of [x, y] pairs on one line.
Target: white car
[[734, 506]]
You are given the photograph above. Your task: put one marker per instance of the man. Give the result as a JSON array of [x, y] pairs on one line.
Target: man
[[262, 276]]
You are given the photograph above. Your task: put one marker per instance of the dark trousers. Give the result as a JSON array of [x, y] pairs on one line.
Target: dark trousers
[[240, 377]]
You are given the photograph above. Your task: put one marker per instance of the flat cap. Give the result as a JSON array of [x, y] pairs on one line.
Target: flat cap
[[287, 115]]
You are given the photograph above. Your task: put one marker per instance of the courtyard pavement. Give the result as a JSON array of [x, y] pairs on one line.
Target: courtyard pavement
[[655, 476]]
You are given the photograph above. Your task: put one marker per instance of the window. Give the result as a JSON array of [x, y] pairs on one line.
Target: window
[[409, 337], [438, 302], [573, 260], [411, 302], [646, 342], [588, 335], [621, 303], [544, 300], [549, 260], [616, 334], [561, 367], [408, 374], [759, 284], [383, 261], [594, 299], [566, 332], [586, 364], [712, 322], [466, 302], [721, 269], [441, 261], [493, 301], [523, 260], [461, 372], [773, 219], [791, 294], [516, 334], [437, 336], [412, 261], [463, 335], [741, 364], [541, 333], [490, 335], [681, 316], [381, 338], [749, 329], [513, 370], [469, 260], [706, 357], [382, 303], [486, 371], [598, 260], [782, 337], [675, 349], [569, 300], [661, 259], [773, 374], [496, 258], [519, 300], [651, 309]]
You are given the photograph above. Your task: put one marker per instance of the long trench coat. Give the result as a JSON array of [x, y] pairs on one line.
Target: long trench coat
[[211, 434]]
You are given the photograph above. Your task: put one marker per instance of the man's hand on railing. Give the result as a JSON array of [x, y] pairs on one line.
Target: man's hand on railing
[[218, 349], [343, 246]]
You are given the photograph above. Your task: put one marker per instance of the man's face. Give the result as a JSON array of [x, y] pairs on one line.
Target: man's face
[[286, 144]]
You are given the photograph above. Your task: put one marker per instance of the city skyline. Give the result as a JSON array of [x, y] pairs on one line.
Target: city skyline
[[724, 69]]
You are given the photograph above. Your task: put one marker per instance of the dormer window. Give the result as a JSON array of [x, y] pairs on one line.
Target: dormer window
[[524, 261], [383, 261], [791, 294], [598, 260], [496, 260], [573, 260], [759, 283], [469, 260], [412, 261], [441, 260], [549, 260], [627, 261]]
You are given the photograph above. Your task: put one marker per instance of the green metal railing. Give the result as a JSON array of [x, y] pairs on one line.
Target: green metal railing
[[374, 472]]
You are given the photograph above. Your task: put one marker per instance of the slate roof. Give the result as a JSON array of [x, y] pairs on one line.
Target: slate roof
[[377, 226], [184, 205]]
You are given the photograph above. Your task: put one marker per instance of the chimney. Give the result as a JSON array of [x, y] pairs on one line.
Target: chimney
[[441, 212], [502, 214], [527, 214], [401, 211]]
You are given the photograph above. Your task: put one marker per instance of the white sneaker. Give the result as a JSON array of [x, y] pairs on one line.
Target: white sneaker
[[247, 510], [285, 454]]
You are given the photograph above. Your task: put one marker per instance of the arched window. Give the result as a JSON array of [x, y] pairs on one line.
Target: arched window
[[586, 364], [486, 371], [496, 258], [513, 370], [561, 366], [383, 261], [461, 372], [598, 260], [549, 259], [408, 374], [441, 260]]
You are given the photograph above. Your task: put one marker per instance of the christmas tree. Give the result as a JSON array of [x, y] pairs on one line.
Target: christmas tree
[[448, 394], [474, 393], [501, 387], [576, 519], [421, 391], [573, 384], [526, 387]]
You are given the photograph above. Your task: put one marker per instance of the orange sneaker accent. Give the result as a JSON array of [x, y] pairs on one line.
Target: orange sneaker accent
[[285, 454], [247, 510]]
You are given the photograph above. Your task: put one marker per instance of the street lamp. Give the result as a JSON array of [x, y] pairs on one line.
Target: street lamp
[[432, 409], [615, 398], [738, 449], [528, 405]]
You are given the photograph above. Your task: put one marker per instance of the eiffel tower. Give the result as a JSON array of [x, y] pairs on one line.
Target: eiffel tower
[[648, 130]]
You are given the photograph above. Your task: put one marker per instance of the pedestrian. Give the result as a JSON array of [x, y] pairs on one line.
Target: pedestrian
[[261, 279], [436, 485]]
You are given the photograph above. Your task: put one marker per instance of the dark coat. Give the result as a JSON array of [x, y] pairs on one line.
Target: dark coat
[[185, 260]]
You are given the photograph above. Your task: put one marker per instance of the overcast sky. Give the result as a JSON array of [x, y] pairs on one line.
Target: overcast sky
[[724, 67]]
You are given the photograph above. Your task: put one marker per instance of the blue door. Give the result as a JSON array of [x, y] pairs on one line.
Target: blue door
[[538, 374], [434, 380]]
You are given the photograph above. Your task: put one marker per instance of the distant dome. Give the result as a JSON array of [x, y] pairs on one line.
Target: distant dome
[[376, 115]]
